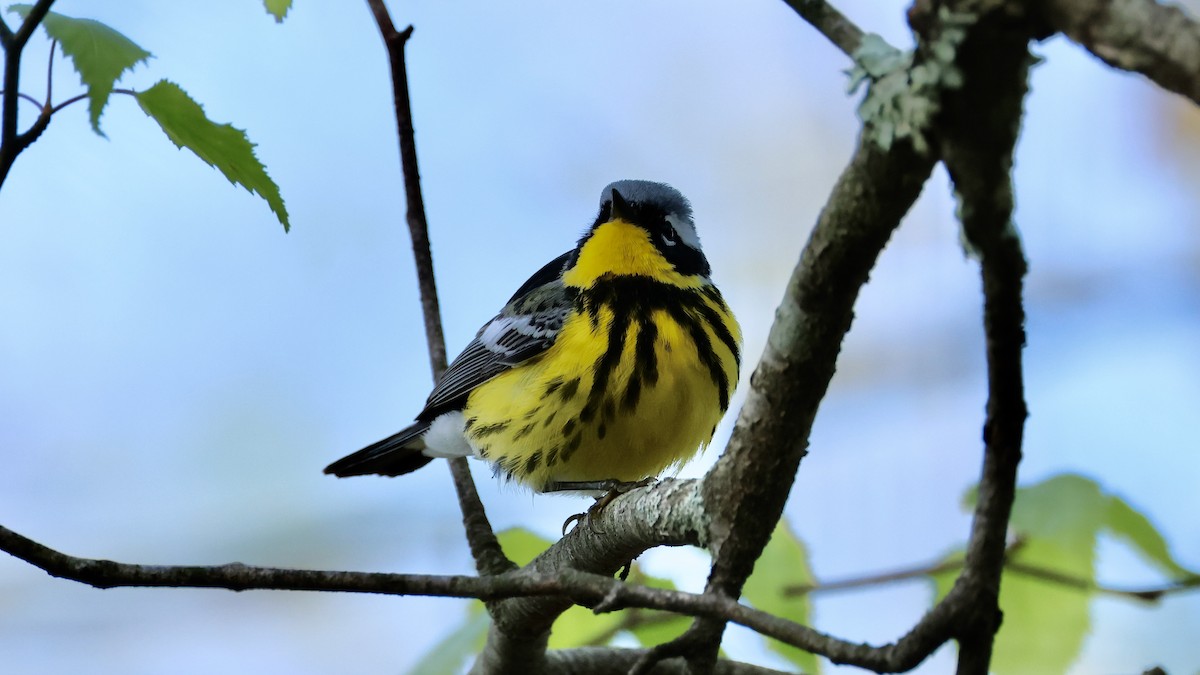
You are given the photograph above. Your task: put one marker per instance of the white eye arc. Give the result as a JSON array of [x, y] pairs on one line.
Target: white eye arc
[[670, 237]]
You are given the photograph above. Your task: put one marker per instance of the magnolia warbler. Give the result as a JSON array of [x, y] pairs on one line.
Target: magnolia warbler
[[610, 364]]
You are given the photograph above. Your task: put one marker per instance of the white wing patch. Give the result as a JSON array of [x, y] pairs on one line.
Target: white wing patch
[[505, 334]]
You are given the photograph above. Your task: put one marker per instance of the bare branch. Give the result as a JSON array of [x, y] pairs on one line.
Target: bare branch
[[485, 548], [831, 23], [590, 590], [618, 661], [979, 126], [1159, 41], [1143, 594]]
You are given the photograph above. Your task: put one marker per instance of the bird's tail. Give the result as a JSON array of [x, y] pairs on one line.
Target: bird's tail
[[395, 455]]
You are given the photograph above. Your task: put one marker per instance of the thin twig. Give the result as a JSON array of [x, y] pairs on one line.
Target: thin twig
[[831, 23], [50, 73], [11, 144], [1145, 594], [26, 97], [485, 548]]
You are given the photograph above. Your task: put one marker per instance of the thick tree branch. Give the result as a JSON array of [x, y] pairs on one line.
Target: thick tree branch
[[1159, 41], [745, 491], [831, 23], [485, 549]]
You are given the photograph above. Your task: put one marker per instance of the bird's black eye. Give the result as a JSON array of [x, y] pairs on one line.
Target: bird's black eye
[[669, 236]]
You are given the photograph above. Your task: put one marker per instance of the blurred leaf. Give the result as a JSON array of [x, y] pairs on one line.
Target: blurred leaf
[[449, 655], [278, 8], [944, 581], [100, 55], [1045, 623], [651, 627], [1059, 522], [219, 145], [784, 564], [521, 545], [579, 627], [1136, 531]]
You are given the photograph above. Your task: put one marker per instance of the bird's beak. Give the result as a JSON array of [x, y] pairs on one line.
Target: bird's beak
[[620, 208]]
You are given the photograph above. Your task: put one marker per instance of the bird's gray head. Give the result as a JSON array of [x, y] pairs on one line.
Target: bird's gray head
[[664, 213]]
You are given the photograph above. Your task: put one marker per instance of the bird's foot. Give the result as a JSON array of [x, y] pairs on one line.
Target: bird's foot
[[612, 489]]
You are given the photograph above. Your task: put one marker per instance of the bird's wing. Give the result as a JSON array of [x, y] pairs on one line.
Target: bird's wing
[[526, 327]]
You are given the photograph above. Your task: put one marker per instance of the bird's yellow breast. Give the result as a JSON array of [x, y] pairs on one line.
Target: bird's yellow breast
[[548, 422]]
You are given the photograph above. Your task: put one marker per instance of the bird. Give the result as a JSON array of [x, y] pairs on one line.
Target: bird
[[612, 363]]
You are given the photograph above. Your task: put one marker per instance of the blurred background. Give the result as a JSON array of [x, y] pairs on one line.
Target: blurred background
[[175, 371]]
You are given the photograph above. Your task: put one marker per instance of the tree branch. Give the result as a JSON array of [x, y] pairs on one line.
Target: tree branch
[[485, 548], [1159, 41], [601, 592], [618, 661], [979, 126], [831, 23], [1143, 594], [745, 491], [11, 144]]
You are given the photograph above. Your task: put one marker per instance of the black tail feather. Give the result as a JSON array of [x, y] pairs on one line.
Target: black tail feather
[[395, 455]]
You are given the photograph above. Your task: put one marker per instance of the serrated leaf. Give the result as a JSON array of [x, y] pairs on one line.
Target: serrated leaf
[[219, 145], [278, 8], [100, 55], [449, 655], [783, 564]]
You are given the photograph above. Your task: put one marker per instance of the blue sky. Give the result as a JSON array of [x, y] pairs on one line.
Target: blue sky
[[175, 370]]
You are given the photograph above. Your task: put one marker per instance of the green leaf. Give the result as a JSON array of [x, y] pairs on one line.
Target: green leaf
[[449, 655], [278, 8], [1136, 531], [521, 545], [1059, 521], [783, 565], [100, 55], [219, 145], [580, 627], [650, 627]]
